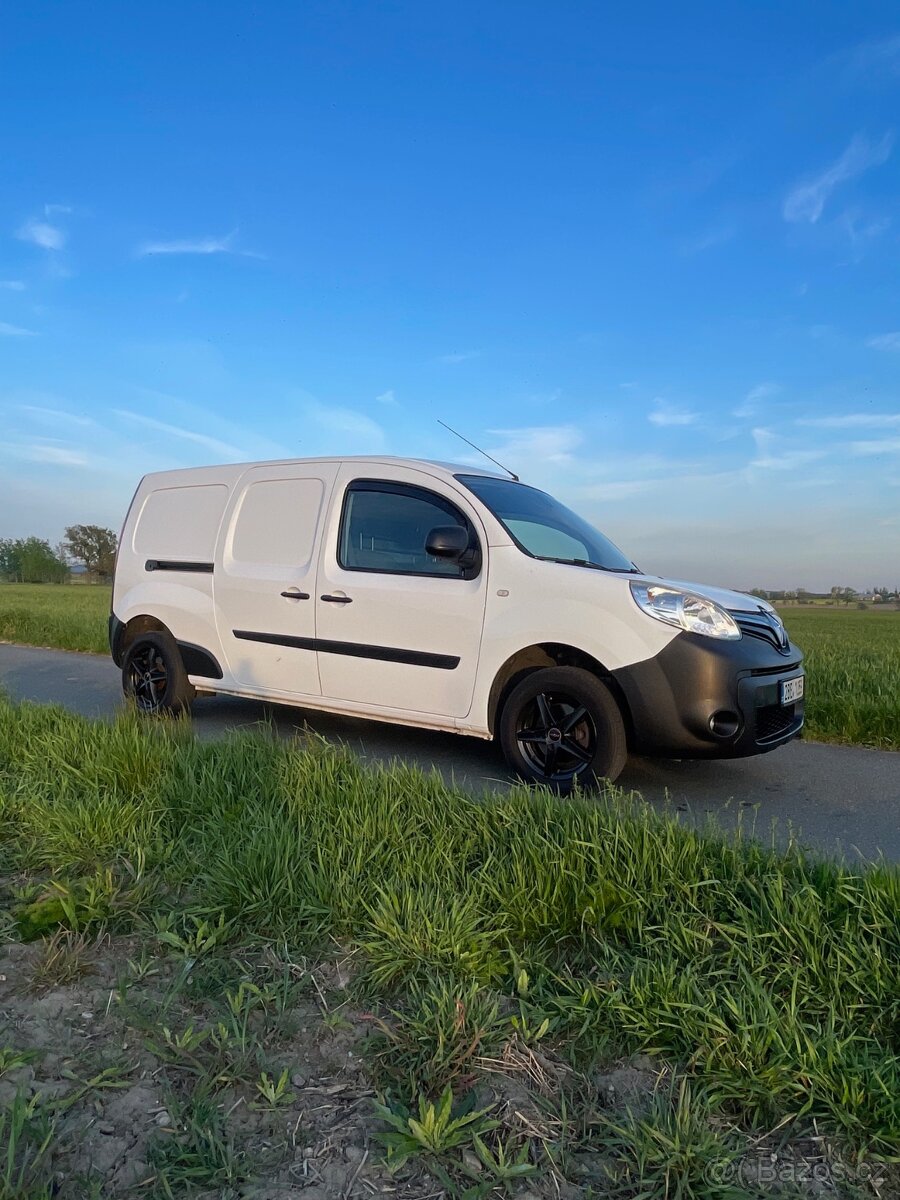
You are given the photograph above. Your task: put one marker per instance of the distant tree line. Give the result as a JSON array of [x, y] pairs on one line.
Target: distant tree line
[[34, 560], [836, 595]]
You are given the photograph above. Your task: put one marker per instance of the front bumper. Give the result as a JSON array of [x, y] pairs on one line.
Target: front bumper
[[702, 698]]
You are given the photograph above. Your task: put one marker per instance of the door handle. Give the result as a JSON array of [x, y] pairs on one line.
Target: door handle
[[337, 599], [295, 595]]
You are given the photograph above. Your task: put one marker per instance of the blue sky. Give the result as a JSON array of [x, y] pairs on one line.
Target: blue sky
[[646, 254]]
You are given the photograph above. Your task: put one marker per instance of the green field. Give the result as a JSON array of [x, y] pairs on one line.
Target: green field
[[69, 616], [853, 667], [609, 1003], [853, 657]]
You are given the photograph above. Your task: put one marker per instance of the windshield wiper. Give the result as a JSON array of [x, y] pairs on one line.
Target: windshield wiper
[[586, 562]]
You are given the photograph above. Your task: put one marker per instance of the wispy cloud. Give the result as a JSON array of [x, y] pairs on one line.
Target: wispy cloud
[[347, 422], [198, 245], [7, 330], [60, 456], [12, 285], [44, 415], [861, 232], [755, 398], [387, 397], [806, 201], [620, 490], [451, 360], [879, 446], [51, 210], [853, 421], [880, 56], [666, 414], [772, 454], [188, 435], [41, 233], [693, 178], [688, 476], [885, 341], [537, 443], [716, 235]]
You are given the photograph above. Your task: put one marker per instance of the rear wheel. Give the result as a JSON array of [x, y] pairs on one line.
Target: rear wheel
[[153, 675], [562, 724]]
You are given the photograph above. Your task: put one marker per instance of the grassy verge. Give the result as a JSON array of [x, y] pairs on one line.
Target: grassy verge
[[542, 992], [67, 616]]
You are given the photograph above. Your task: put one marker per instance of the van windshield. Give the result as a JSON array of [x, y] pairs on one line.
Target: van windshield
[[543, 527]]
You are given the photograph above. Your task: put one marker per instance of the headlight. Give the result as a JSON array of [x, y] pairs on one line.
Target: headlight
[[696, 614]]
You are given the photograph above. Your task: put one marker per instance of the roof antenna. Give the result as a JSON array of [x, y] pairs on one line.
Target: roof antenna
[[479, 449]]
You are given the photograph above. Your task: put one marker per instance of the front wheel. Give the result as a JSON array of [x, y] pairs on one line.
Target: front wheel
[[562, 724], [153, 675]]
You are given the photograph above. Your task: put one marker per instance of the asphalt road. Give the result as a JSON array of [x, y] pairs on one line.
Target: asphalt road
[[837, 799]]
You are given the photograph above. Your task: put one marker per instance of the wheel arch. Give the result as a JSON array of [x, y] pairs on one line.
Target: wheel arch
[[551, 654], [196, 660]]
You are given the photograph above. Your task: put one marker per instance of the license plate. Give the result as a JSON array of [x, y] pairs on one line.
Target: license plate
[[792, 689]]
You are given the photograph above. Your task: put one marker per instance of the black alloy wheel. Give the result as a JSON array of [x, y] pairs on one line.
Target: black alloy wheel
[[153, 675], [557, 735], [147, 677], [560, 725]]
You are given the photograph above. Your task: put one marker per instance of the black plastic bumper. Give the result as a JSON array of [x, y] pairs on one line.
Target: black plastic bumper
[[116, 632], [702, 698]]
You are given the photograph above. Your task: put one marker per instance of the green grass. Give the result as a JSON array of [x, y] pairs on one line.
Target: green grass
[[853, 658], [66, 616], [853, 667], [769, 980]]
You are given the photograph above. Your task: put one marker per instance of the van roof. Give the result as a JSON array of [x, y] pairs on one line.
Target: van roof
[[375, 459]]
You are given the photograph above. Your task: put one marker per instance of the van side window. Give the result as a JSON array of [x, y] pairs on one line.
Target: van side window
[[384, 527]]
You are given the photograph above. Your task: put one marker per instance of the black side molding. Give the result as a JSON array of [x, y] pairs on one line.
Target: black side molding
[[413, 658], [167, 564]]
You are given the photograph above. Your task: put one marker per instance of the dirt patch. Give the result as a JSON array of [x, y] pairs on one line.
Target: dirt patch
[[149, 1080], [235, 1075]]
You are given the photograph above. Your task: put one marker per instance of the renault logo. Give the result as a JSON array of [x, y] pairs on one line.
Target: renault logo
[[780, 631]]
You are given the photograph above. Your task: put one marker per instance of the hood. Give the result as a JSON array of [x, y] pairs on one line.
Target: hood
[[733, 601]]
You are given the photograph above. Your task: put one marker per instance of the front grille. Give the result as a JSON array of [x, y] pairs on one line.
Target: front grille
[[775, 720], [759, 625], [781, 669]]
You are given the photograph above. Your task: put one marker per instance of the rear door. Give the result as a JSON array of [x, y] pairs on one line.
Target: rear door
[[396, 627], [265, 576]]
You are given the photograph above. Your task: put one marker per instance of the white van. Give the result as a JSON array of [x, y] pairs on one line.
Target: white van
[[443, 597]]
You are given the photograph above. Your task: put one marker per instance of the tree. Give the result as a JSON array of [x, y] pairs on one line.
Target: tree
[[10, 559], [842, 595], [94, 546], [30, 560]]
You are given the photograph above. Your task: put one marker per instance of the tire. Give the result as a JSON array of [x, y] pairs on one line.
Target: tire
[[561, 726], [153, 675]]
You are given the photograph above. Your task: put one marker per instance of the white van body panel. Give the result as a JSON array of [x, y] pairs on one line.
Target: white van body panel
[[161, 525], [436, 616], [532, 602], [269, 546]]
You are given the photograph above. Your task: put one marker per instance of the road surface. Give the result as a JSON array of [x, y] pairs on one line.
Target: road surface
[[837, 799]]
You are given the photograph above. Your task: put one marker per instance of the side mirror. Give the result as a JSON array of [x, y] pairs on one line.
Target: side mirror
[[449, 542]]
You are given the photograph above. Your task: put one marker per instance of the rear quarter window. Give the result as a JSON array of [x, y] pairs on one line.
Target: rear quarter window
[[180, 523]]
